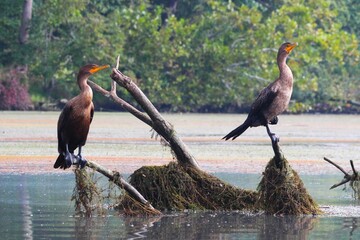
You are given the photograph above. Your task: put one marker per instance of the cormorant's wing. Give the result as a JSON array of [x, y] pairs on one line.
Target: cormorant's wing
[[62, 124], [264, 99], [92, 112]]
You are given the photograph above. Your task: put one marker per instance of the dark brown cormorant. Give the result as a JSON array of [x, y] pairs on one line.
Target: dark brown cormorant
[[272, 100], [74, 121]]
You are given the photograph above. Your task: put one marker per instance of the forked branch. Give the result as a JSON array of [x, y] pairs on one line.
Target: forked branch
[[347, 177], [160, 125], [151, 116], [127, 106]]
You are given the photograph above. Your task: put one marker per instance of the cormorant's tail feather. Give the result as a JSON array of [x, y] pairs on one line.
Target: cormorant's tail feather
[[60, 162], [237, 131]]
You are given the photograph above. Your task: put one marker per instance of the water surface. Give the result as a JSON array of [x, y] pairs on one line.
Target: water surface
[[39, 207], [35, 198]]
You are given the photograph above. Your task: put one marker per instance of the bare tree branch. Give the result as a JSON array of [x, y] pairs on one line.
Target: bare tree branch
[[160, 125], [128, 107]]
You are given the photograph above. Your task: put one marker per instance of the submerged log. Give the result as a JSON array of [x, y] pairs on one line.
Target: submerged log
[[281, 189], [353, 179]]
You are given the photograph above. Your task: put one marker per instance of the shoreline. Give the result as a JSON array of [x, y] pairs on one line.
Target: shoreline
[[120, 142], [127, 165]]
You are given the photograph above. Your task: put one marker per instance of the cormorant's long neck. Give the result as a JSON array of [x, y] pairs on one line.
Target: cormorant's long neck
[[86, 91], [285, 72]]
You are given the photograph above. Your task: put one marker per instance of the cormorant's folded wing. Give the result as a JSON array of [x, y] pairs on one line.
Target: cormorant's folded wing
[[264, 99]]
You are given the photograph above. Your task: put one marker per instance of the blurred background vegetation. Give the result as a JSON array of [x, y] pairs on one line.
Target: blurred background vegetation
[[186, 55]]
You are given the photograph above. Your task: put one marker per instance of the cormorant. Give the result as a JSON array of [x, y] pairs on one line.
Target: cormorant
[[272, 100], [74, 121]]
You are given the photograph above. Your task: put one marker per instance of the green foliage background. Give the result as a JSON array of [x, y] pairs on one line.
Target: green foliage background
[[207, 55]]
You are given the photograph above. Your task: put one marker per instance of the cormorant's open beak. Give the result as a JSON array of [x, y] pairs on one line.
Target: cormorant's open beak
[[98, 68], [290, 47]]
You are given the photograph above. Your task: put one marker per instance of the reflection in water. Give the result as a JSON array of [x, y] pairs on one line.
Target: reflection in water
[[33, 207], [84, 227], [140, 225], [352, 224], [230, 225], [26, 210], [287, 227]]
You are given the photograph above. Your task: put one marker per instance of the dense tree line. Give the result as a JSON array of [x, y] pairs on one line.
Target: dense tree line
[[187, 55]]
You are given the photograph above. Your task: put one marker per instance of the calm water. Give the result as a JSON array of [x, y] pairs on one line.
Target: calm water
[[35, 199], [39, 207]]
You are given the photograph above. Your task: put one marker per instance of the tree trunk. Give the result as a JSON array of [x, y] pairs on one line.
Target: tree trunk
[[25, 22]]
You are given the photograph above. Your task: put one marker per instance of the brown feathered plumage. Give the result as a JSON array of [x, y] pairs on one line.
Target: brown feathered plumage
[[74, 121], [272, 100]]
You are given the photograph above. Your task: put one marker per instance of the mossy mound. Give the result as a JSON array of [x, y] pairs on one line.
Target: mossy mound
[[282, 191], [170, 187]]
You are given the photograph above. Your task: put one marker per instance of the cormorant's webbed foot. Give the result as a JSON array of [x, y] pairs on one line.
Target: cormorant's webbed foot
[[273, 137], [274, 121], [69, 157], [80, 160]]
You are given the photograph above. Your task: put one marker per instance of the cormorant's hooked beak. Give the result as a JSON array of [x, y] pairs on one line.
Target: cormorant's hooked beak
[[290, 47], [98, 68]]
